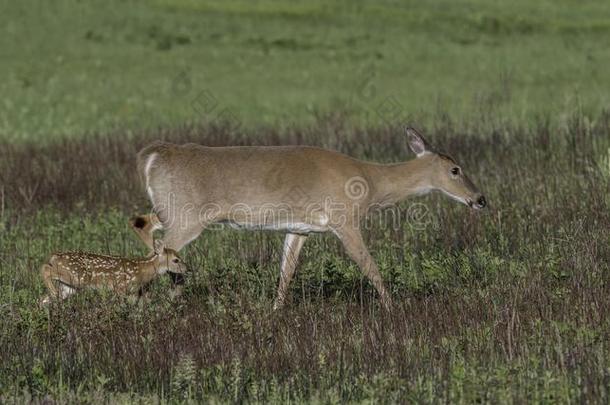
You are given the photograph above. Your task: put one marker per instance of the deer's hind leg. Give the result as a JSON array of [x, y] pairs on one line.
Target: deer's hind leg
[[292, 247], [46, 272], [57, 288], [182, 227]]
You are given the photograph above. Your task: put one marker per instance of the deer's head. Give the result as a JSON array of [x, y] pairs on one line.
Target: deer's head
[[168, 259], [441, 172]]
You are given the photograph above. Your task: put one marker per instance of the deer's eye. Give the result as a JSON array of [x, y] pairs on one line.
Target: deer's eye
[[176, 260], [455, 171]]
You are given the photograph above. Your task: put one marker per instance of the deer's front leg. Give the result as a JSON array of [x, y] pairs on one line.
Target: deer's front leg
[[354, 245], [292, 247]]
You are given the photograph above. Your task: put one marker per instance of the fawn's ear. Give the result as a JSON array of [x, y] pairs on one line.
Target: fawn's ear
[[159, 246], [138, 222], [416, 141]]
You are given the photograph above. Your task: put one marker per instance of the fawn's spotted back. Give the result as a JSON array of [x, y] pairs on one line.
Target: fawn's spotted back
[[67, 272]]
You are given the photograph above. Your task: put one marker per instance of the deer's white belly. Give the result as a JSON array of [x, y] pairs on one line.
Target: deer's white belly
[[280, 221], [296, 227]]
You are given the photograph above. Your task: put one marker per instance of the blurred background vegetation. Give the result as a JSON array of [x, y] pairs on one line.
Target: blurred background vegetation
[[70, 68]]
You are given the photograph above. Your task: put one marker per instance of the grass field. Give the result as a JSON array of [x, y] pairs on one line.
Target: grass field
[[71, 68], [502, 306]]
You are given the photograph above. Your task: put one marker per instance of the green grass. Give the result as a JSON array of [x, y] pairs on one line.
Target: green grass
[[71, 68]]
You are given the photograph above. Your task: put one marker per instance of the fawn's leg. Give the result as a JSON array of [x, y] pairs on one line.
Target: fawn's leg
[[66, 290]]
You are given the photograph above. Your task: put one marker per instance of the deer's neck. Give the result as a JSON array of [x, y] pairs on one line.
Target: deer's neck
[[395, 182], [148, 269]]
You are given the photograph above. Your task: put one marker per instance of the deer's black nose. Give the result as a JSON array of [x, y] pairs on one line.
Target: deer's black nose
[[482, 201]]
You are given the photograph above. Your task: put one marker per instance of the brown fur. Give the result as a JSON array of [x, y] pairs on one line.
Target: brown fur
[[144, 226]]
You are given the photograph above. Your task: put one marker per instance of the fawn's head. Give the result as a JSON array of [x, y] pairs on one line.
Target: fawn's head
[[441, 172], [168, 259]]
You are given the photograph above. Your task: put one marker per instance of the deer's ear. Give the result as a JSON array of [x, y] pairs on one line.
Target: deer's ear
[[138, 222], [416, 141], [159, 246]]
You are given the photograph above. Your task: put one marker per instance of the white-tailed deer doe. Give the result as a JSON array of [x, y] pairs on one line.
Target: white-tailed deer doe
[[65, 273], [297, 189]]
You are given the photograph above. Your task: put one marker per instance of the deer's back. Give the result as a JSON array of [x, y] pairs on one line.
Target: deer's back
[[252, 174]]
